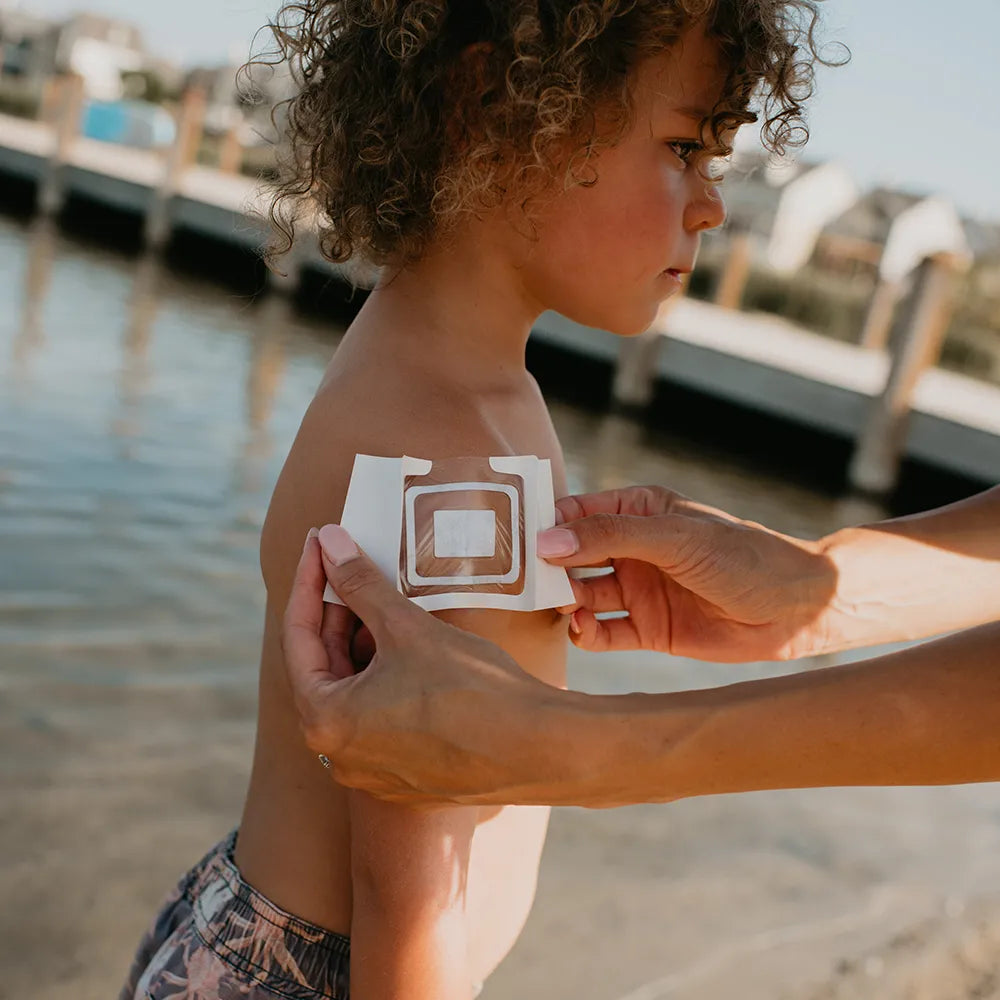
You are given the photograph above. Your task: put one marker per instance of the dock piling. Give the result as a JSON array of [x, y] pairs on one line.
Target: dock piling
[[881, 310], [180, 156], [66, 102], [735, 271], [635, 372], [927, 311]]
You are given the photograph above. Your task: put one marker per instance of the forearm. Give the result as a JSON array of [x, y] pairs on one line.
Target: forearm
[[915, 576], [408, 926], [928, 714]]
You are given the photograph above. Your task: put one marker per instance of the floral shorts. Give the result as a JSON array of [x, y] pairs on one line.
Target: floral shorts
[[217, 938]]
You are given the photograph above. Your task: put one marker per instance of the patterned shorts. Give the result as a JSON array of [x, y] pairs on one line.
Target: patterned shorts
[[217, 938]]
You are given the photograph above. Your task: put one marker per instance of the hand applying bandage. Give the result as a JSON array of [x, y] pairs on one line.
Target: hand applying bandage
[[471, 698]]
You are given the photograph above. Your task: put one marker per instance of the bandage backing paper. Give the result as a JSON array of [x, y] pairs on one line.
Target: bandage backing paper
[[457, 532]]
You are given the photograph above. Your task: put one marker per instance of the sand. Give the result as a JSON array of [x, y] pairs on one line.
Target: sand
[[110, 792]]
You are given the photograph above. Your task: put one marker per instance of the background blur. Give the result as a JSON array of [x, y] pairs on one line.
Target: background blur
[[836, 359]]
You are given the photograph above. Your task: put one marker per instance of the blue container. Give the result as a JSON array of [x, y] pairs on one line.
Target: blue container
[[128, 123]]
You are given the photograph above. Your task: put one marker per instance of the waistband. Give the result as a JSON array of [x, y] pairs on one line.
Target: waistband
[[289, 955]]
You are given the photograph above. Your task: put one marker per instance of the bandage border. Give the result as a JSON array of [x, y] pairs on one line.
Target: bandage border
[[415, 579]]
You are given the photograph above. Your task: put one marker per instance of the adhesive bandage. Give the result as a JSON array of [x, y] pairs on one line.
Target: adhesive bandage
[[457, 532]]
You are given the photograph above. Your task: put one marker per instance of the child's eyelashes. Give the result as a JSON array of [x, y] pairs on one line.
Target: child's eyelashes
[[685, 150]]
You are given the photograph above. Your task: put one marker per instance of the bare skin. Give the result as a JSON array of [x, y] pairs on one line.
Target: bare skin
[[433, 366], [925, 715]]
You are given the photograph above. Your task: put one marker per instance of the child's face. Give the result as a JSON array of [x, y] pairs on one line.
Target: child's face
[[603, 250]]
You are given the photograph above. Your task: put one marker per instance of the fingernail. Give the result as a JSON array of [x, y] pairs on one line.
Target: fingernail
[[557, 542], [559, 516], [574, 623], [312, 533], [337, 544]]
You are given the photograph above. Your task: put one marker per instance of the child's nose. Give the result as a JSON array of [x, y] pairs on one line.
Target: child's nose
[[706, 210]]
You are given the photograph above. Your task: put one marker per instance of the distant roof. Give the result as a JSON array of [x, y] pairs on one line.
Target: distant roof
[[984, 238], [871, 217], [20, 24], [108, 29], [753, 188]]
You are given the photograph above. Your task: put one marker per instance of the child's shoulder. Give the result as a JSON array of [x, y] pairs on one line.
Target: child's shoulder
[[356, 415]]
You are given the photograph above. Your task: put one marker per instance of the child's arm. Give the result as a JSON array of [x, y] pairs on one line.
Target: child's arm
[[408, 929], [409, 933]]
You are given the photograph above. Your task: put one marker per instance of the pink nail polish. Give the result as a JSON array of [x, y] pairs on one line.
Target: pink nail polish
[[556, 543], [337, 544]]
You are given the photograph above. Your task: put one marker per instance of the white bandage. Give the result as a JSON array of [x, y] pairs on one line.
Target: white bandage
[[459, 532]]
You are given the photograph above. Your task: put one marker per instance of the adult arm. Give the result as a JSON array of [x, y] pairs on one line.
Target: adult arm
[[928, 714], [698, 582]]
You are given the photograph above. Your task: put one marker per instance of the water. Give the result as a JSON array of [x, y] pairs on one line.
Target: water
[[144, 417]]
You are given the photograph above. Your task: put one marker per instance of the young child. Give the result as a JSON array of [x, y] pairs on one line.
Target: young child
[[492, 160]]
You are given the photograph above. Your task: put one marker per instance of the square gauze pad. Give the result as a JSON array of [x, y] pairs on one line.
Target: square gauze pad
[[464, 534]]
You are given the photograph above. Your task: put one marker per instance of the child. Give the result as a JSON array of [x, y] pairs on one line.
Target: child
[[493, 160]]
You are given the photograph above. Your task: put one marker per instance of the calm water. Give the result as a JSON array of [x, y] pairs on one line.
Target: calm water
[[144, 418]]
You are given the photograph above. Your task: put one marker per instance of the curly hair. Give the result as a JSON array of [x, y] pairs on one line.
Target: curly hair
[[409, 113]]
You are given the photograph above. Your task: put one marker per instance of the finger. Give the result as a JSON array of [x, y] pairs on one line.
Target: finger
[[600, 593], [592, 593], [602, 636], [305, 603], [361, 585], [640, 501], [337, 633], [599, 538], [303, 616]]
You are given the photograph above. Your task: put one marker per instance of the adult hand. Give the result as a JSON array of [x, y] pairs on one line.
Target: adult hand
[[694, 580], [438, 715]]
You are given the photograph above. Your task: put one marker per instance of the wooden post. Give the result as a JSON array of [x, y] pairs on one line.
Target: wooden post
[[68, 108], [928, 310], [180, 156], [635, 373], [231, 151], [48, 105], [735, 271], [878, 321]]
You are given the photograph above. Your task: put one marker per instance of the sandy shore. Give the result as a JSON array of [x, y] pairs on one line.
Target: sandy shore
[[110, 792]]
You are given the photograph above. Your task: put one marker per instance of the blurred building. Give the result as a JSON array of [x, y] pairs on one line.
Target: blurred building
[[108, 53], [890, 232], [28, 45], [100, 49], [785, 205], [242, 97]]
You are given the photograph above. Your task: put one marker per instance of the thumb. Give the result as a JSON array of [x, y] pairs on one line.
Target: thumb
[[360, 584], [664, 540]]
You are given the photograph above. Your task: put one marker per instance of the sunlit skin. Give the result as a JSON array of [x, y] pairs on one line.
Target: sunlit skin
[[433, 365]]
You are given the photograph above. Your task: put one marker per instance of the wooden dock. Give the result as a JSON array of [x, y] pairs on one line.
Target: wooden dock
[[755, 360]]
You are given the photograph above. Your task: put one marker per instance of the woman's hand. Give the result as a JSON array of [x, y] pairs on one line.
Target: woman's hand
[[438, 715], [694, 580]]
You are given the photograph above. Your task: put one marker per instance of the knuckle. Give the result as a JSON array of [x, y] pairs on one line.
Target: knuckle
[[604, 527], [658, 499]]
